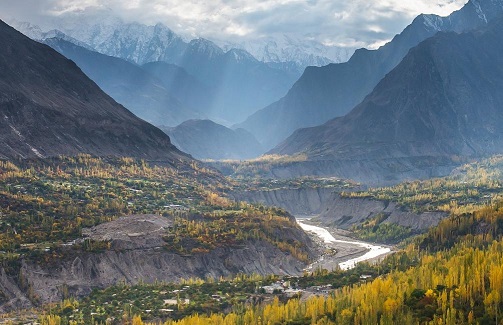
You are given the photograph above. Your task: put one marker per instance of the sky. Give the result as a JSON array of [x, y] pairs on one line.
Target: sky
[[343, 23]]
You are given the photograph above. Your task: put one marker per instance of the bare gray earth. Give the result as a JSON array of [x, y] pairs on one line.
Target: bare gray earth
[[132, 232]]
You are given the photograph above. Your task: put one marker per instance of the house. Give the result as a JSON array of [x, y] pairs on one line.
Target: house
[[171, 302], [176, 207], [273, 288], [292, 292]]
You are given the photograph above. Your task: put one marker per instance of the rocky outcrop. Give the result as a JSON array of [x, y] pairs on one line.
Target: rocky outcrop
[[12, 296], [299, 202], [342, 212]]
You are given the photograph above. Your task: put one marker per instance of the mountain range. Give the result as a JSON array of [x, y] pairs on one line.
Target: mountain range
[[166, 93], [97, 26], [440, 106], [239, 84], [326, 92], [49, 107]]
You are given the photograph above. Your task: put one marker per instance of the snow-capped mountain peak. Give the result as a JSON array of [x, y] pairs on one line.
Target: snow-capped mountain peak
[[239, 55], [432, 22], [285, 48], [202, 45]]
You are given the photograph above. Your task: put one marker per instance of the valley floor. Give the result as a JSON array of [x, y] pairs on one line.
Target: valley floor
[[340, 250]]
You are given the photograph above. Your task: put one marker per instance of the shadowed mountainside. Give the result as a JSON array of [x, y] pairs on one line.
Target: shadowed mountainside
[[48, 107], [441, 105]]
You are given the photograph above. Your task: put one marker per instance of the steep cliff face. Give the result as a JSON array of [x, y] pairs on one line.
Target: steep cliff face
[[137, 254], [299, 202], [332, 210], [79, 275], [341, 212]]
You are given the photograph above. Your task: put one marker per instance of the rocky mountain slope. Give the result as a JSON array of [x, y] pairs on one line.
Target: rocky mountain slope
[[205, 139], [332, 91], [146, 96], [440, 106], [48, 107]]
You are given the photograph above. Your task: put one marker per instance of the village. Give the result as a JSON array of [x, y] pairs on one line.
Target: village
[[162, 300]]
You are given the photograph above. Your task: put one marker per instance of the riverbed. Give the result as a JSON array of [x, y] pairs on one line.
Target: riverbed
[[348, 252]]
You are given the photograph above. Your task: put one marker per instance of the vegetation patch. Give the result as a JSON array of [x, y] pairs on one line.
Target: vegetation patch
[[377, 230], [255, 168], [468, 189], [46, 203]]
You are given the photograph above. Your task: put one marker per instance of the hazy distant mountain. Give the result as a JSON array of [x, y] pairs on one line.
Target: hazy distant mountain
[[441, 105], [48, 107], [205, 139], [184, 86], [331, 91], [240, 83], [128, 84]]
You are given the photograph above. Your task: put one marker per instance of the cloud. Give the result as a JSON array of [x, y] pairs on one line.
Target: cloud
[[339, 22]]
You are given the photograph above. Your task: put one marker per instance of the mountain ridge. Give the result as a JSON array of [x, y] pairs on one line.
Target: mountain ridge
[[284, 50], [326, 92]]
